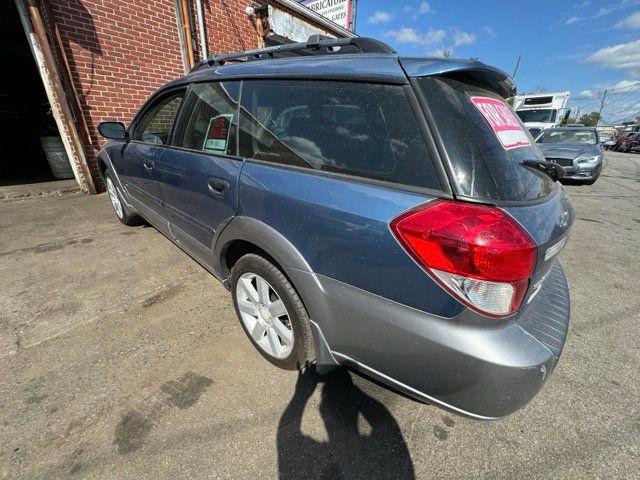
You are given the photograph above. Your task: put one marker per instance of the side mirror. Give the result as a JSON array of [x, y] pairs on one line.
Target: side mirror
[[113, 130]]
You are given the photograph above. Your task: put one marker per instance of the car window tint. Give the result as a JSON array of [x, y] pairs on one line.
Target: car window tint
[[155, 125], [481, 166], [364, 130], [208, 118]]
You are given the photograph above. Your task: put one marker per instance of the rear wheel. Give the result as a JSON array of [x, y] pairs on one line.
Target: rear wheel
[[271, 313], [117, 203]]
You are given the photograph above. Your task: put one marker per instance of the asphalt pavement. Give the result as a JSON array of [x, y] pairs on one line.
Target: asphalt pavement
[[121, 358]]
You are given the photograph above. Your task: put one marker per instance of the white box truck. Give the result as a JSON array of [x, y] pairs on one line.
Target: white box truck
[[542, 110]]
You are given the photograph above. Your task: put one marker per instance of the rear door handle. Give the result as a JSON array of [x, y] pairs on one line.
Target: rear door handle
[[148, 164], [218, 186]]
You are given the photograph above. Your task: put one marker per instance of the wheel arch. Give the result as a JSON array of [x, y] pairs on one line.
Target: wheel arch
[[248, 235], [251, 234]]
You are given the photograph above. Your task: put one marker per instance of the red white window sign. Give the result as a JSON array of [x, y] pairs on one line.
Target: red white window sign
[[218, 133], [503, 122]]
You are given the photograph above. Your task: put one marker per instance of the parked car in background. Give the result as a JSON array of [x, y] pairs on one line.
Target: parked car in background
[[631, 143], [576, 149], [608, 142], [351, 227], [619, 139]]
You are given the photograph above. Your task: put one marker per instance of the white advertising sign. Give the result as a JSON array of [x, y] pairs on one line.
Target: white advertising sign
[[338, 11]]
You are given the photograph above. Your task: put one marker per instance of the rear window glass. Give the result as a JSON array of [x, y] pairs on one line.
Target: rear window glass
[[586, 137], [362, 130], [481, 166]]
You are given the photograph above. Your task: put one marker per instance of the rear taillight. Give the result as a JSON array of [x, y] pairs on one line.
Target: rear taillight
[[479, 253]]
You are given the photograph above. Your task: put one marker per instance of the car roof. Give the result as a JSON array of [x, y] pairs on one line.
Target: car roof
[[372, 67]]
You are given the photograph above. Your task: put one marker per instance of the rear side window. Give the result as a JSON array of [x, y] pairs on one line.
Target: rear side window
[[208, 118], [363, 130], [155, 125], [482, 167]]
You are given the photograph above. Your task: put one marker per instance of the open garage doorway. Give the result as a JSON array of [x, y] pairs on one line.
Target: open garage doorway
[[32, 150]]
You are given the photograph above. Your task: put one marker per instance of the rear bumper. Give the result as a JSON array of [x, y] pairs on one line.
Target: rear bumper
[[482, 371]]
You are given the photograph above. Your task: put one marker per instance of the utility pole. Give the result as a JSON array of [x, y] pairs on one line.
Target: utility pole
[[604, 95], [515, 70]]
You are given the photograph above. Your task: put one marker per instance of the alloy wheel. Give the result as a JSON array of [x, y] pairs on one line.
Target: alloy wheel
[[115, 199], [264, 315]]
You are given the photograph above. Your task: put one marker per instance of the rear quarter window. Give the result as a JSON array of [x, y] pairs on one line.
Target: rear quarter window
[[480, 165], [357, 129]]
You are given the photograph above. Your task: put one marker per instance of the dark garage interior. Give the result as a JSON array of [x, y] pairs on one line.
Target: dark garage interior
[[25, 114]]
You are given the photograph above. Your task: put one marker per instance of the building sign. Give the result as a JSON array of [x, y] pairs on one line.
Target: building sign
[[341, 12]]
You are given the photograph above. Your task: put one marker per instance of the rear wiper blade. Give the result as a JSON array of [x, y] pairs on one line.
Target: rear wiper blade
[[554, 170]]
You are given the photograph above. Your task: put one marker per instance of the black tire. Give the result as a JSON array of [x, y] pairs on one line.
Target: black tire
[[126, 216], [303, 352]]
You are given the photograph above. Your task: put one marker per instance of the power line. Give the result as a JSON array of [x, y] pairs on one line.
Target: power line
[[598, 102]]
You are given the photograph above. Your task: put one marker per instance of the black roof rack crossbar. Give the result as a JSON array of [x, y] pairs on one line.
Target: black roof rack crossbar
[[315, 43]]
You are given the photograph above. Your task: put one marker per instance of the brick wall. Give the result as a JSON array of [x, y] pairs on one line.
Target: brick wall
[[120, 51], [227, 27]]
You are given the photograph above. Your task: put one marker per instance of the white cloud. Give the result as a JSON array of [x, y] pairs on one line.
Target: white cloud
[[624, 56], [571, 20], [404, 35], [586, 94], [411, 35], [435, 35], [379, 17], [584, 4], [632, 22], [463, 38], [434, 39], [619, 6], [440, 52], [489, 32], [623, 85], [424, 7]]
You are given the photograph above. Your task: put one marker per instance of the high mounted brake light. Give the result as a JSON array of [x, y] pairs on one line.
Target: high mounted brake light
[[478, 253]]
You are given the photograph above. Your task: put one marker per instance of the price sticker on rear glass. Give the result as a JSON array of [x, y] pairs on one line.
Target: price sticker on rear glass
[[218, 133], [503, 122]]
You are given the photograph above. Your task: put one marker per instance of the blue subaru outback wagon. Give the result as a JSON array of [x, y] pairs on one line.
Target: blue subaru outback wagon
[[384, 213]]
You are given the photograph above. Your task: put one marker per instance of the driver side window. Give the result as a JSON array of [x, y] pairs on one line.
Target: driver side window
[[155, 125]]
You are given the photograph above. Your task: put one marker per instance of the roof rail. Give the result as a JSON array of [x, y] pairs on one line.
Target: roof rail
[[317, 44]]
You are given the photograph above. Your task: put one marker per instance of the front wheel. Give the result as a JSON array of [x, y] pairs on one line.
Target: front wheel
[[271, 313], [117, 203]]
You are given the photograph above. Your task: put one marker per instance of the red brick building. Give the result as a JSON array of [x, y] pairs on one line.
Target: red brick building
[[96, 60]]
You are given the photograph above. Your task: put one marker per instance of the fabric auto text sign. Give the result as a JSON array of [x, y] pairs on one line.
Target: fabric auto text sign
[[338, 11]]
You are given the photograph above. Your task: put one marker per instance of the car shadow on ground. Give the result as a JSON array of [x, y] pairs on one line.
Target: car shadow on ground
[[380, 452]]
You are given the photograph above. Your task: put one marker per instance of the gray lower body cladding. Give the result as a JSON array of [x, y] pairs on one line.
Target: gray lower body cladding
[[483, 371]]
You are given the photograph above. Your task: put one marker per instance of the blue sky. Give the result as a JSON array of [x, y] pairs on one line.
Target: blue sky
[[583, 46]]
